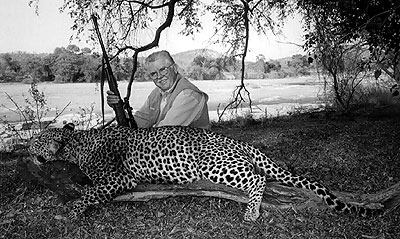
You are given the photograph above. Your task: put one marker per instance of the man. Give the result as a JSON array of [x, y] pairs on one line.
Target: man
[[175, 101]]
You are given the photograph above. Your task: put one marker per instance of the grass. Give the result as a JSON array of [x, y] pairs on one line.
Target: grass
[[359, 154]]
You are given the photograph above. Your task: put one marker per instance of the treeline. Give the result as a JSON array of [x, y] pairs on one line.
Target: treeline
[[64, 65], [222, 68], [72, 64], [296, 65]]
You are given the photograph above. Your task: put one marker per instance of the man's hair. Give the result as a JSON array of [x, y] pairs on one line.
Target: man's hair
[[157, 55]]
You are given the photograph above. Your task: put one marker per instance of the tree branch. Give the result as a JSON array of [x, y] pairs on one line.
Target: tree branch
[[148, 5], [238, 97], [154, 43], [255, 5]]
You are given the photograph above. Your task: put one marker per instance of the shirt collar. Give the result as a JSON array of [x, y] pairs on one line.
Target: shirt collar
[[168, 92]]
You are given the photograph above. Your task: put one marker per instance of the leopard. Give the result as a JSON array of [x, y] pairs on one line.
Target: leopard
[[118, 158]]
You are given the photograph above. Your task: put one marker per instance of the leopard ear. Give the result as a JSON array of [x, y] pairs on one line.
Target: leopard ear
[[69, 126], [54, 146]]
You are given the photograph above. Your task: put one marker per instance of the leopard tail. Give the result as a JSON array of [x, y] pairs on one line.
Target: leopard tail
[[268, 168]]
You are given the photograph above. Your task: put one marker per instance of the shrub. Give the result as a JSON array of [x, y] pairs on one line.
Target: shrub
[[32, 119]]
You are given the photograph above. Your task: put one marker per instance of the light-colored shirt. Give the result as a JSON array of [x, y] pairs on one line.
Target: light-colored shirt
[[186, 108], [183, 104]]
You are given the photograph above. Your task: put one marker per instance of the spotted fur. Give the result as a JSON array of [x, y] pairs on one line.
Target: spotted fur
[[116, 159]]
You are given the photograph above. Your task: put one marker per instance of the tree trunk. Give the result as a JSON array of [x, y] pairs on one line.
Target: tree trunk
[[67, 181]]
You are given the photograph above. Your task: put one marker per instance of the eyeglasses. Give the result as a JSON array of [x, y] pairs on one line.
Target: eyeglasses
[[154, 75]]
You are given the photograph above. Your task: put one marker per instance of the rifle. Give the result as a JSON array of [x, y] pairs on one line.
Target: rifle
[[120, 112]]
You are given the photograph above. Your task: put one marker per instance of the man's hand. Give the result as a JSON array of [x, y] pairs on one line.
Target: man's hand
[[112, 99]]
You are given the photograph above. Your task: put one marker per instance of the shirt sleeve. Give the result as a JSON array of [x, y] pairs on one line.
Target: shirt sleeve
[[142, 115], [186, 108]]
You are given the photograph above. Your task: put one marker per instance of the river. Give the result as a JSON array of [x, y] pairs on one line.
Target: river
[[269, 97]]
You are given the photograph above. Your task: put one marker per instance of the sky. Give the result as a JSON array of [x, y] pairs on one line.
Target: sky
[[22, 30]]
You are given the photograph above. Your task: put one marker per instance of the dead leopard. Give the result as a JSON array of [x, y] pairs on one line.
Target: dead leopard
[[116, 159]]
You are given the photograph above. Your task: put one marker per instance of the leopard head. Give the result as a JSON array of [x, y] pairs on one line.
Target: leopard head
[[48, 145]]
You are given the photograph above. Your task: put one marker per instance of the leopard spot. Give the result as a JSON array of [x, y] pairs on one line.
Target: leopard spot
[[321, 192], [229, 178], [329, 202]]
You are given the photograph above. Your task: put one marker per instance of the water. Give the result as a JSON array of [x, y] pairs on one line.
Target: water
[[271, 96]]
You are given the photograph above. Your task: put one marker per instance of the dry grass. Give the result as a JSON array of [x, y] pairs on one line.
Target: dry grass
[[357, 155]]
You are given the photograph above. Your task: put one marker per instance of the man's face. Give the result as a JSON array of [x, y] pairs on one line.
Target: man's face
[[162, 72]]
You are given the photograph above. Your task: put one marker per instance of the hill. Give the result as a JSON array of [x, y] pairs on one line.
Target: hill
[[184, 59]]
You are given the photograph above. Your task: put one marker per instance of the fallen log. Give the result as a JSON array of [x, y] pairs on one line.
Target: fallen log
[[67, 181], [276, 195]]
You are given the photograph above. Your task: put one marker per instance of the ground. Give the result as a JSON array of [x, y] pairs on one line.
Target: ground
[[355, 154]]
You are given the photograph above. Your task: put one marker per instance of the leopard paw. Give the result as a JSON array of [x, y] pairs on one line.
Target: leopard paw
[[72, 216], [251, 216]]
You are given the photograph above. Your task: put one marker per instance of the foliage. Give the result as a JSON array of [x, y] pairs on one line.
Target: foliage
[[218, 67], [20, 66], [124, 22], [87, 119], [296, 65], [35, 115], [351, 39], [230, 18], [344, 68], [374, 22], [32, 115], [67, 66], [62, 65], [210, 68]]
